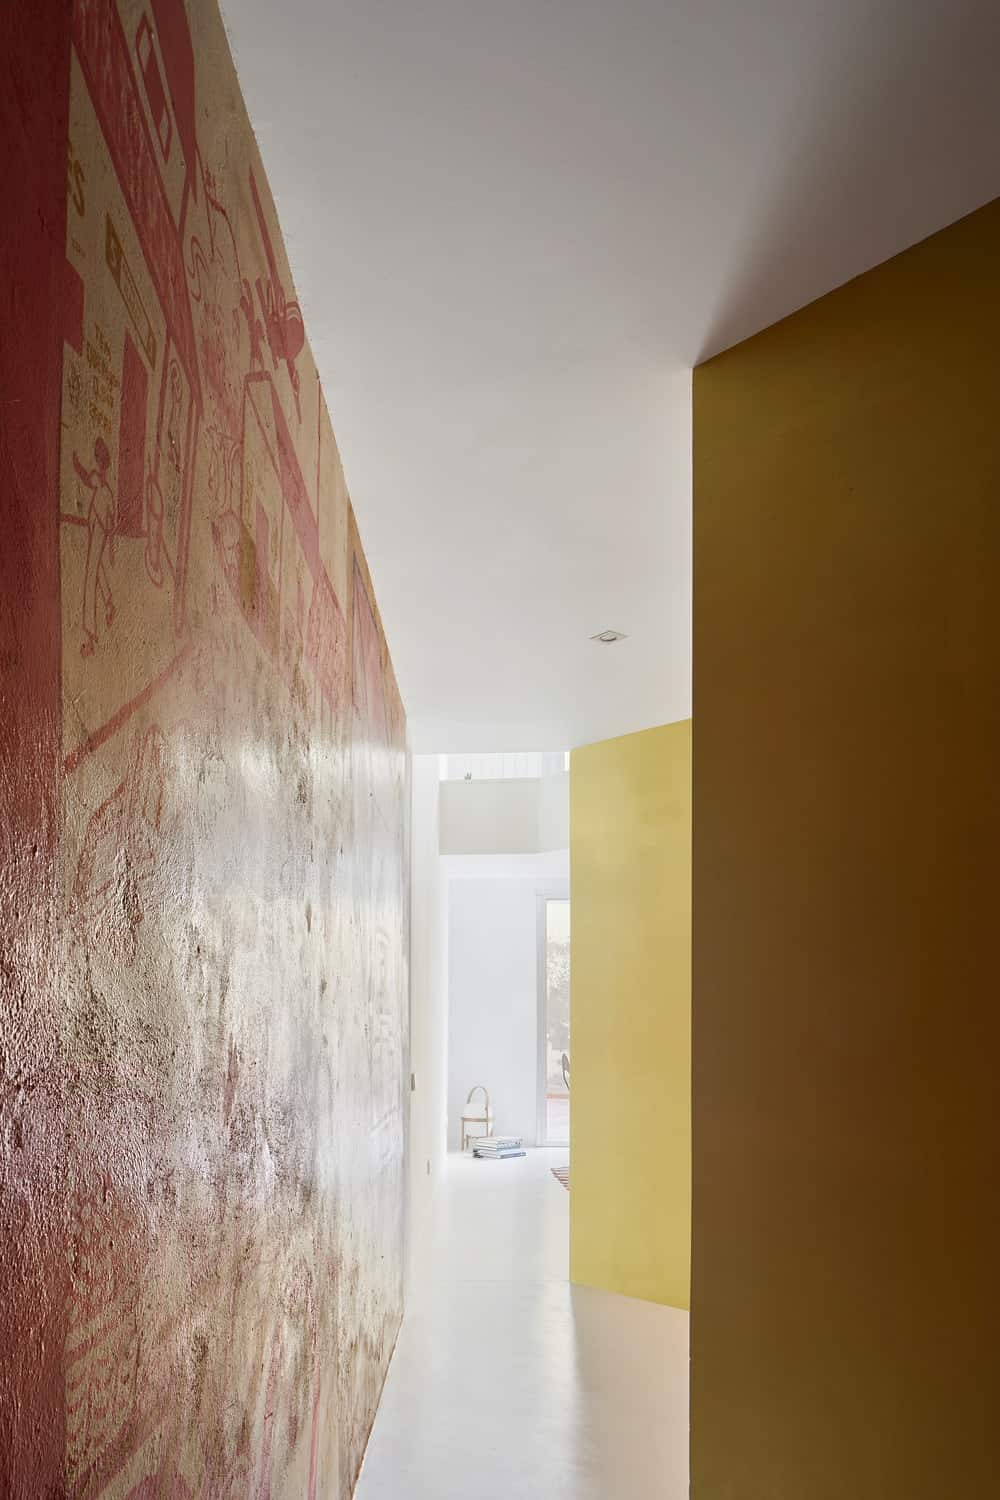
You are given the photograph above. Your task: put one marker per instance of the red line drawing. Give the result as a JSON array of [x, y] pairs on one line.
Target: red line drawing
[[121, 81], [286, 332], [119, 267], [99, 736], [184, 502], [154, 532], [101, 519], [255, 327], [250, 545], [173, 474], [155, 92], [131, 441], [174, 36], [222, 299], [107, 67]]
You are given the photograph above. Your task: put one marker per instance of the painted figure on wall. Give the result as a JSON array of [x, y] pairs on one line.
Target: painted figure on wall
[[98, 603], [233, 1005]]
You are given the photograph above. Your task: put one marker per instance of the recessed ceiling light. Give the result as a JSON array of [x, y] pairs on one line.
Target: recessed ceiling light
[[608, 637]]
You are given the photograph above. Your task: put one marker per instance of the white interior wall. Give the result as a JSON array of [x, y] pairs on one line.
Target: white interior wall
[[553, 811], [493, 983], [527, 815]]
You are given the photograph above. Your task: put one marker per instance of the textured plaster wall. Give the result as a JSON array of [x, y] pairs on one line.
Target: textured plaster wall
[[203, 1036]]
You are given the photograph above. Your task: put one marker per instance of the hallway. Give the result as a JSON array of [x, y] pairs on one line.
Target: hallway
[[508, 1382], [500, 601]]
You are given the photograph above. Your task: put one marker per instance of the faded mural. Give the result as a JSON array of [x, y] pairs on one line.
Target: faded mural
[[232, 1008]]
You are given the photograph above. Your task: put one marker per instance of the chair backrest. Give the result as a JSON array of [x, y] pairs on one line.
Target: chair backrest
[[481, 1087]]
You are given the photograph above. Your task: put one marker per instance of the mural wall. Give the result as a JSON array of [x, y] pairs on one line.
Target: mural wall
[[211, 1083]]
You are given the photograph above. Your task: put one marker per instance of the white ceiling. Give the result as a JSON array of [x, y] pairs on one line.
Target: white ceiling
[[514, 226]]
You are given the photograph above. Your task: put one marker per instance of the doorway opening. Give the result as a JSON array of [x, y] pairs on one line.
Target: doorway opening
[[554, 1021]]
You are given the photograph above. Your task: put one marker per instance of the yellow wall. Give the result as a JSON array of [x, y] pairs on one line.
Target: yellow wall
[[630, 871], [846, 765]]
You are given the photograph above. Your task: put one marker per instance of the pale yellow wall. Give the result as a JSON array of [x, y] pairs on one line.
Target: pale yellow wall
[[844, 1319], [630, 873]]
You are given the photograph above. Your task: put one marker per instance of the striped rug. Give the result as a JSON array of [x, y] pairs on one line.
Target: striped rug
[[561, 1174]]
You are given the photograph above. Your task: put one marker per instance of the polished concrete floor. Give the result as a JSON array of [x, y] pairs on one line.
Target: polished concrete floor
[[557, 1119], [508, 1383]]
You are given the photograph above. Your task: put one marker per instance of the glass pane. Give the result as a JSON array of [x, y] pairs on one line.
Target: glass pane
[[557, 1022]]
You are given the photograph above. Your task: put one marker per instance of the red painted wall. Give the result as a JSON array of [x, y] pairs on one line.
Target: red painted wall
[[202, 901]]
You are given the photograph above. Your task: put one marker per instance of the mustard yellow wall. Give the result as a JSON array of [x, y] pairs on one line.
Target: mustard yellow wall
[[846, 1250], [630, 1153]]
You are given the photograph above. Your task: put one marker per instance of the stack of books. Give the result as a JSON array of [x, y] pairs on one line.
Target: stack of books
[[497, 1147]]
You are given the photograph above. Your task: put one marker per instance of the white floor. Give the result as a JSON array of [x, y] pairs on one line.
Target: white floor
[[508, 1383]]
